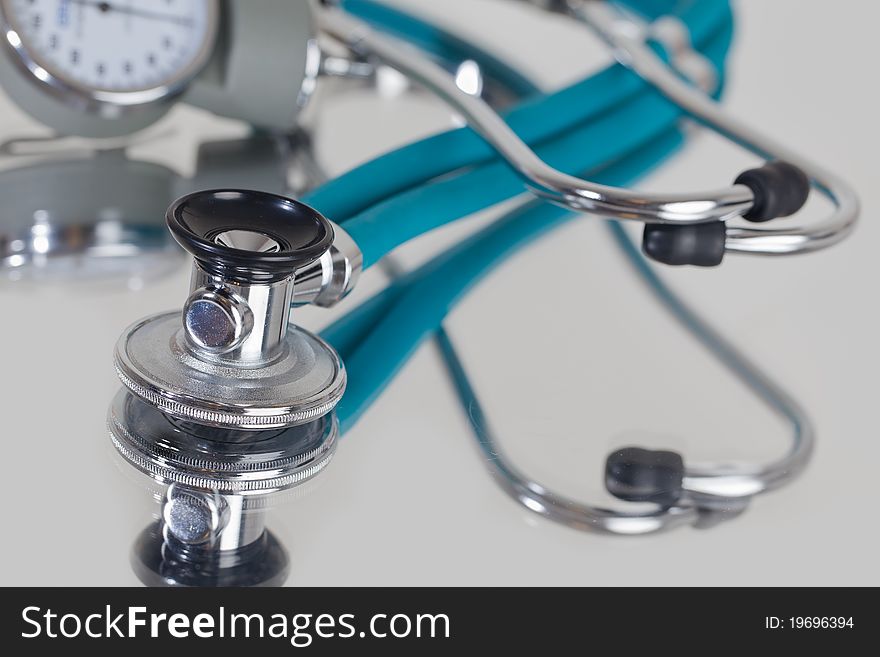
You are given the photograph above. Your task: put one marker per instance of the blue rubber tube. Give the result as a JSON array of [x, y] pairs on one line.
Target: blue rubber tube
[[385, 226], [535, 121], [425, 299], [396, 320]]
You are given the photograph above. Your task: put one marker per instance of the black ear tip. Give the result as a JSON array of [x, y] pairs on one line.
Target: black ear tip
[[635, 474], [780, 189], [691, 244]]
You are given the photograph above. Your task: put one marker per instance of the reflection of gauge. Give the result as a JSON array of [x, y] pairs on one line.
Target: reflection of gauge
[[100, 217], [125, 52]]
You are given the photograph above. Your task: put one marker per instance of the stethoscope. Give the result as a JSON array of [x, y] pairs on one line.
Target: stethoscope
[[230, 401], [694, 495]]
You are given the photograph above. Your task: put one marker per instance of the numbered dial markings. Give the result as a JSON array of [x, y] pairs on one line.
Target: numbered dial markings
[[118, 46]]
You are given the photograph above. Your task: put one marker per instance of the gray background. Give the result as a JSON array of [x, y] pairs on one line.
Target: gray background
[[571, 357]]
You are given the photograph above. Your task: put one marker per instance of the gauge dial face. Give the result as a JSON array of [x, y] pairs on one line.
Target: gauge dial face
[[130, 50]]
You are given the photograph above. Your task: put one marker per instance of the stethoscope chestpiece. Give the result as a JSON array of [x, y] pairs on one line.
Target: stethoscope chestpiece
[[232, 359], [228, 402]]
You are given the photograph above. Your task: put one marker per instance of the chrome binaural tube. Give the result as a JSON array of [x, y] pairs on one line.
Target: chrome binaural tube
[[617, 203], [541, 178], [710, 492]]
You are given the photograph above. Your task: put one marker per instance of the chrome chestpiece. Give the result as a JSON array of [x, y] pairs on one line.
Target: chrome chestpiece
[[234, 360], [227, 401]]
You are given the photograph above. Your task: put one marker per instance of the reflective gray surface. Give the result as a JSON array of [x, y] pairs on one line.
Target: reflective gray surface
[[569, 370]]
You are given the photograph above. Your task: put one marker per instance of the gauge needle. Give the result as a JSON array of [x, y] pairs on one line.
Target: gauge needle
[[106, 7]]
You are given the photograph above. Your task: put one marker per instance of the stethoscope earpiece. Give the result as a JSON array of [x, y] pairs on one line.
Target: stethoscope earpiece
[[634, 474], [779, 189], [701, 245]]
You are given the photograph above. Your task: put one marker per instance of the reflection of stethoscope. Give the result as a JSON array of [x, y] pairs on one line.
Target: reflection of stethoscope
[[80, 213], [236, 401]]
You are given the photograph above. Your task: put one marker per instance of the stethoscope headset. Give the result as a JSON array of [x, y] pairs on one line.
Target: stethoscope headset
[[230, 401]]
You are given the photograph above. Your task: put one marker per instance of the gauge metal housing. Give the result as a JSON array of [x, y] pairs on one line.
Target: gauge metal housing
[[259, 65], [72, 107]]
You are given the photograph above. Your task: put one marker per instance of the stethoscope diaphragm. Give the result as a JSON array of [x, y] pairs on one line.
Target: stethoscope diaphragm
[[155, 363], [226, 401]]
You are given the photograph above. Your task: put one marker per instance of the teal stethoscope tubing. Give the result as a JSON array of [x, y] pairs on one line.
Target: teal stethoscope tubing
[[378, 338], [395, 322], [557, 116]]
